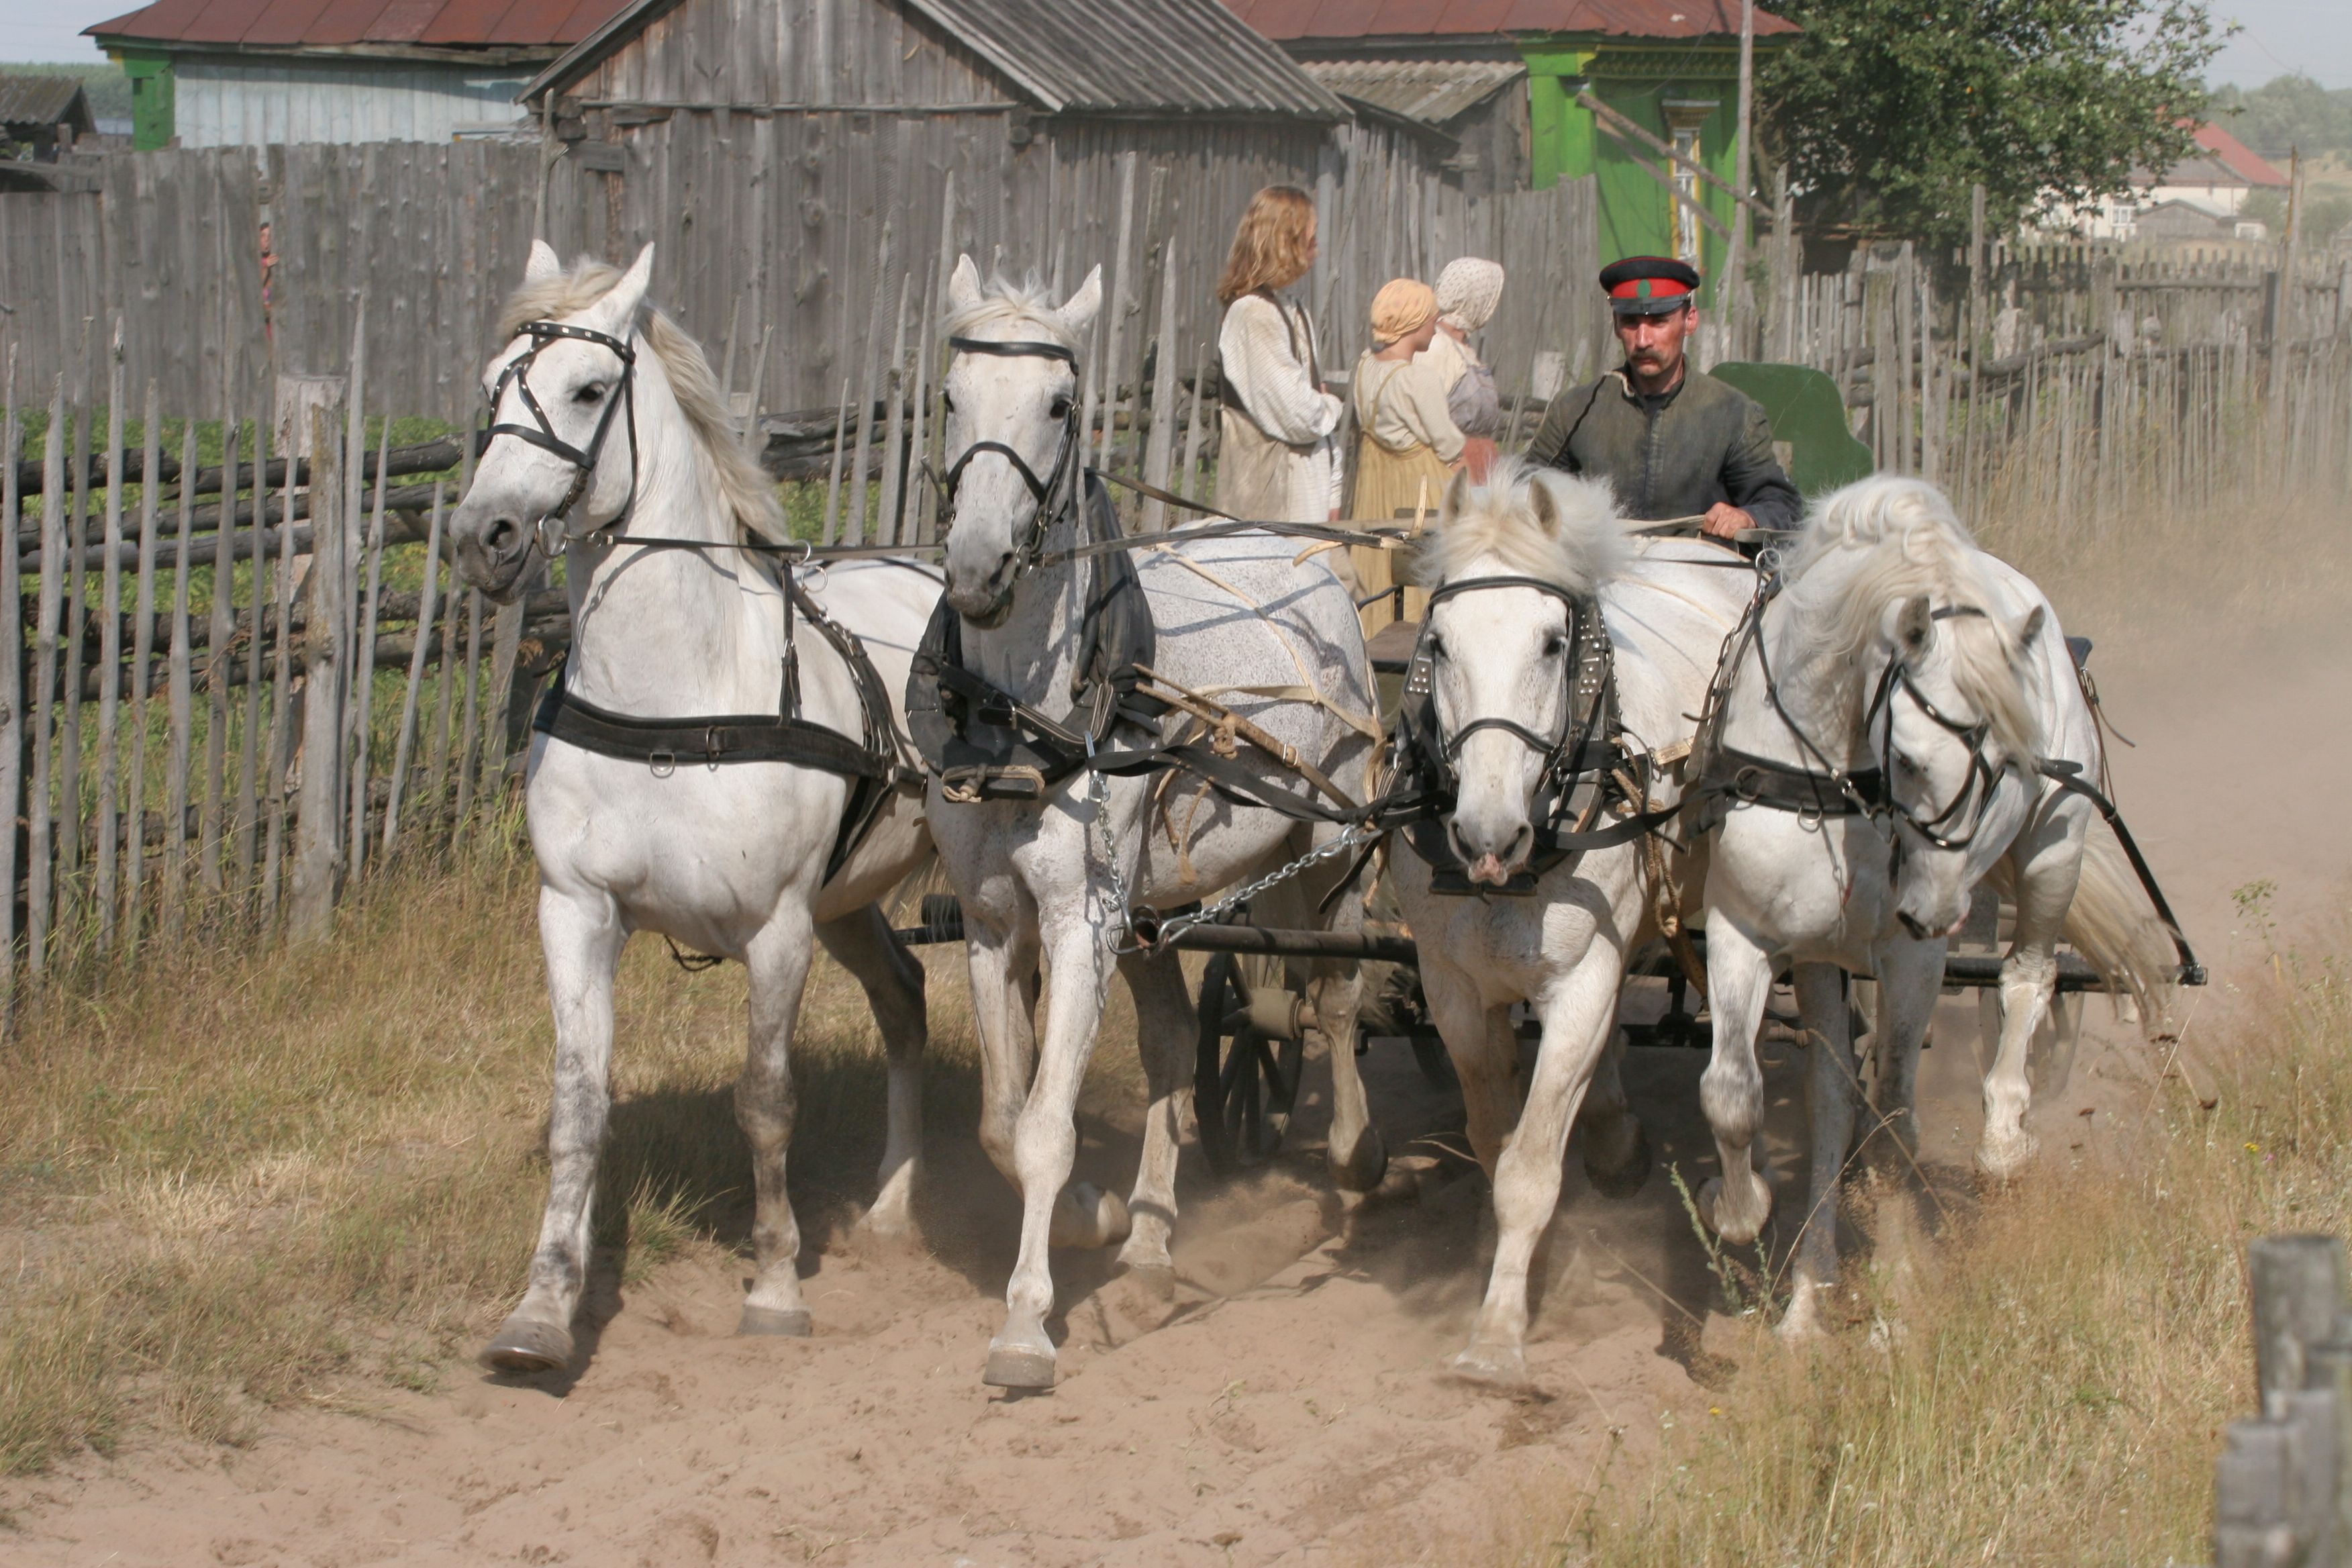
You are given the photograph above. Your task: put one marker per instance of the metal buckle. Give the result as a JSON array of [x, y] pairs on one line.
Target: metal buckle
[[663, 763], [551, 548]]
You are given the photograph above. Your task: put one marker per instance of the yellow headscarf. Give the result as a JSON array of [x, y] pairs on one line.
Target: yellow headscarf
[[1401, 308]]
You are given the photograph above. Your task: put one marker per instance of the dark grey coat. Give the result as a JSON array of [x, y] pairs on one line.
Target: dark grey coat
[[1672, 454]]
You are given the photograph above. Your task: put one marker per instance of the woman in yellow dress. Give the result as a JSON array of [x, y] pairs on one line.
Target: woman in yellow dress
[[1410, 445]]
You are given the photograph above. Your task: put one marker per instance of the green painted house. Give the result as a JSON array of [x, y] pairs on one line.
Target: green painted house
[[1512, 80]]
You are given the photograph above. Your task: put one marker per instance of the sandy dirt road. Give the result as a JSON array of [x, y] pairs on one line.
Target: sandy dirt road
[[1286, 1405]]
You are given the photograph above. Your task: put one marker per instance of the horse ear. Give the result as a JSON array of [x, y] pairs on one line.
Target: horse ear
[[1546, 505], [617, 310], [1077, 312], [545, 265], [1457, 496], [1914, 622], [2031, 627], [963, 284]]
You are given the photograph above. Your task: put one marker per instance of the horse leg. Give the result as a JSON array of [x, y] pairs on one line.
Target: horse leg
[[1910, 977], [1001, 949], [1616, 1149], [581, 935], [1736, 1203], [778, 959], [1830, 1087], [1165, 1027], [1577, 1015], [2046, 872], [1356, 1155], [862, 942], [1045, 1147]]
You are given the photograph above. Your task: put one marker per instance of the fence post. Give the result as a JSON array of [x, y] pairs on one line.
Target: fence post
[[311, 906], [2280, 1484]]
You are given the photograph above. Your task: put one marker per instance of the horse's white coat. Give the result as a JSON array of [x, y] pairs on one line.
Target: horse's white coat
[[1503, 653], [1231, 614], [725, 860], [1877, 558]]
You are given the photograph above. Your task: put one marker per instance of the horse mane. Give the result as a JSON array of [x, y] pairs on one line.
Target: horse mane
[[1886, 539], [1497, 519], [744, 484], [1027, 304]]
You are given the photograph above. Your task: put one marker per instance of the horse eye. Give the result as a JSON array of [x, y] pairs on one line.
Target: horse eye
[[1436, 645], [947, 400], [1061, 409], [1555, 645], [594, 392]]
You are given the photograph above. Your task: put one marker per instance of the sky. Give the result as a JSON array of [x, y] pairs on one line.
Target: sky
[[2280, 35]]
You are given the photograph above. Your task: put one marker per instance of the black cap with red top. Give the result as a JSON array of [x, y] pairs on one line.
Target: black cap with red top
[[1649, 285]]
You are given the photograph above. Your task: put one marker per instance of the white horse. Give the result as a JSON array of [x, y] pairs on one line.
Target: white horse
[[1232, 620], [1511, 680], [1933, 680], [727, 857]]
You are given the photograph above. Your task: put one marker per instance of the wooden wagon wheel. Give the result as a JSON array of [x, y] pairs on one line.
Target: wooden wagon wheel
[[1245, 1078]]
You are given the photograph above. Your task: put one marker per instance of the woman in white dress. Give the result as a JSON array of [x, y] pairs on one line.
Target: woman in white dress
[[1467, 292], [1277, 451]]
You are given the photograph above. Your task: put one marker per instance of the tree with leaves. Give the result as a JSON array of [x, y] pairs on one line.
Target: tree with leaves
[[1886, 112]]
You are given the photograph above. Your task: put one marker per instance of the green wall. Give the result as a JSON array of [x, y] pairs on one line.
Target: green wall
[[1639, 82], [152, 107]]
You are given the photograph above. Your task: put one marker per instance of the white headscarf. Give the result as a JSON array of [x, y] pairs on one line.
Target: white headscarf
[[1468, 293]]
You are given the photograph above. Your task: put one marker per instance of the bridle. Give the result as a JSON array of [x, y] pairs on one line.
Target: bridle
[[1974, 794], [1558, 752], [1059, 478], [541, 433]]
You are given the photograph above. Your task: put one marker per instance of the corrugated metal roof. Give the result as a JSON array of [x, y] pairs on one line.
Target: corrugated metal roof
[[1431, 91], [1106, 57], [329, 23], [42, 101], [1298, 21]]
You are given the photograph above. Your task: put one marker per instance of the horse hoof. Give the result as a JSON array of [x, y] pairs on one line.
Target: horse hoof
[[526, 1345], [1737, 1227], [1623, 1176], [790, 1322], [1502, 1368], [1018, 1367], [1363, 1166], [2006, 1159], [1085, 1217]]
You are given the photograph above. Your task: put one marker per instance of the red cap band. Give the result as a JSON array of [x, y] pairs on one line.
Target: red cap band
[[1649, 289]]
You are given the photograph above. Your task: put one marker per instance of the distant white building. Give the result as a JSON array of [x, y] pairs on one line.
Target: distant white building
[[2199, 197]]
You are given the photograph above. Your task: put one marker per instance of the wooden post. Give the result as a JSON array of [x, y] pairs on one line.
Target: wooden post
[[142, 654], [445, 687], [914, 525], [1117, 306], [363, 662], [1189, 488], [12, 686], [110, 653], [41, 885], [853, 525], [178, 681], [1158, 446], [415, 679], [893, 456], [310, 899], [833, 479], [2280, 1493], [280, 761], [1729, 298], [219, 630], [468, 736], [68, 805]]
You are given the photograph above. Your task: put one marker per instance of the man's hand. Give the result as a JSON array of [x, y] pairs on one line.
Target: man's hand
[[1724, 520]]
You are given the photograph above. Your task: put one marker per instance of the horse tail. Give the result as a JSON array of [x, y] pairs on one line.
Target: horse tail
[[2115, 928]]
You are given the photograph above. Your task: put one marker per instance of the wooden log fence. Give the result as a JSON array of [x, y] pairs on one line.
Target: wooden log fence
[[2283, 1488]]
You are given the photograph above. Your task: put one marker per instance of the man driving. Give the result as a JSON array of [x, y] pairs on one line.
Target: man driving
[[1674, 441]]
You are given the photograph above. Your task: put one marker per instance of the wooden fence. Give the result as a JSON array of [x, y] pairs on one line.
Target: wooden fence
[[2283, 1494]]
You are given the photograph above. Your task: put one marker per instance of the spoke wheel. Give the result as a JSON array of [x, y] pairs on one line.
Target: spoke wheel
[[1245, 1084]]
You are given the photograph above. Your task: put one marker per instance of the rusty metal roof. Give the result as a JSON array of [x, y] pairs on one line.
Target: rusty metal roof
[[1307, 21], [43, 100], [1430, 91], [1105, 57], [547, 25]]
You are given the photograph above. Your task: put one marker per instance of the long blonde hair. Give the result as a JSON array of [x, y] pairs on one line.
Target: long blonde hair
[[1270, 244]]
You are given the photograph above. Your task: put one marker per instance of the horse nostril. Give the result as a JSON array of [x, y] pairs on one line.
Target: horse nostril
[[501, 534]]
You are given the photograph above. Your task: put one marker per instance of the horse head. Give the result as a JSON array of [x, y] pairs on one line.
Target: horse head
[[1512, 561], [1013, 446], [563, 458], [1948, 721]]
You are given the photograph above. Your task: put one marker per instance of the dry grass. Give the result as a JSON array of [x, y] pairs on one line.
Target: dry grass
[[2049, 1385], [237, 1180]]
